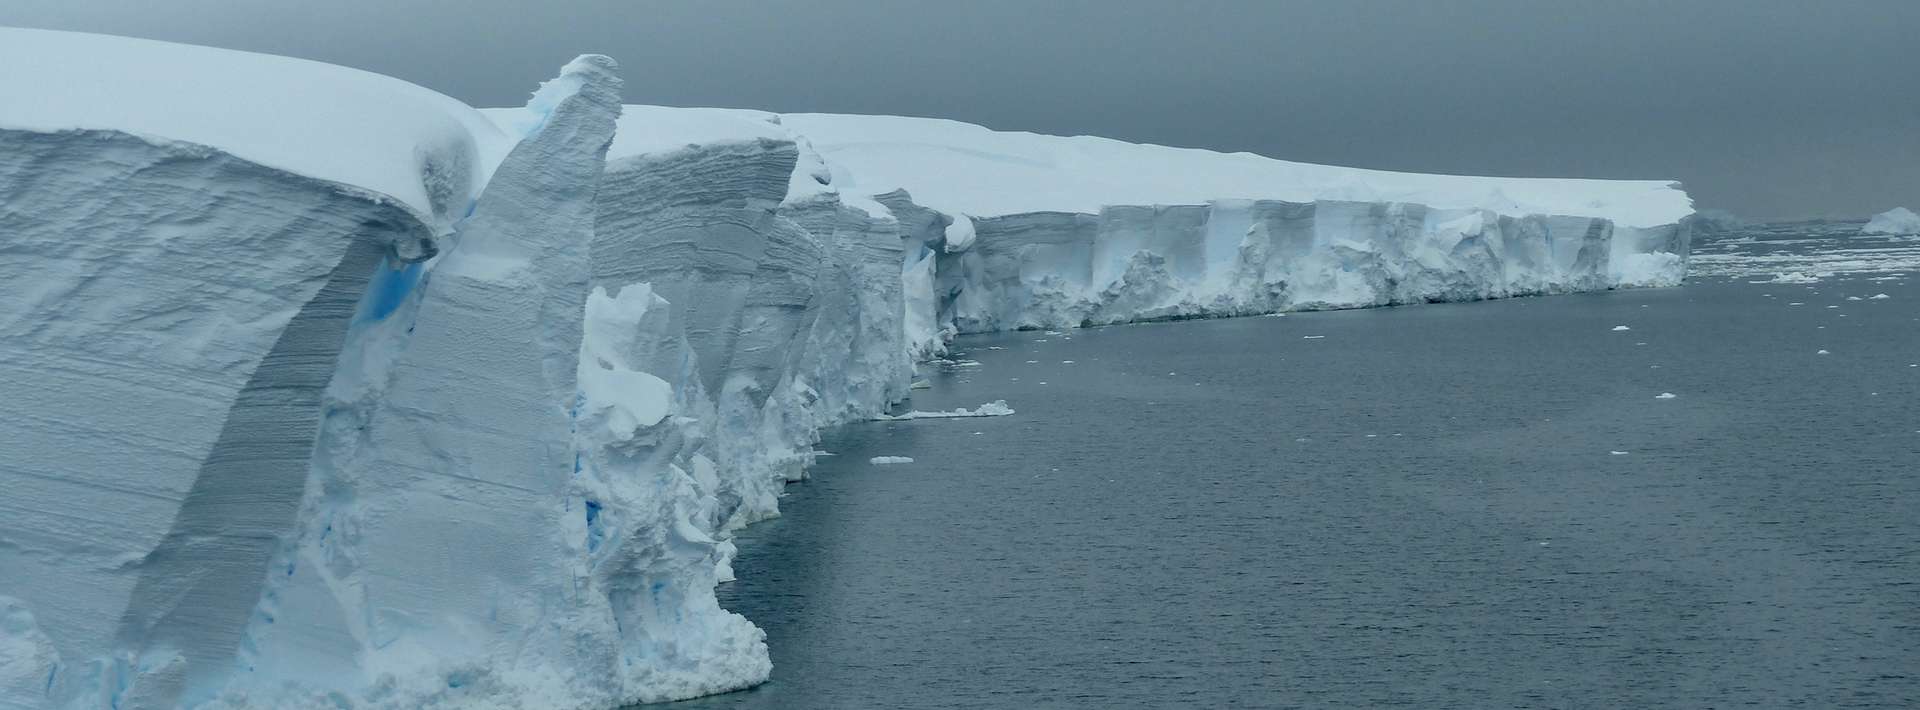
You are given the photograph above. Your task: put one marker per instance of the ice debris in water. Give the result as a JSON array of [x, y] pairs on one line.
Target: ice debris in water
[[1617, 453], [1619, 328], [1823, 352], [996, 408], [1665, 395], [883, 460], [1879, 297]]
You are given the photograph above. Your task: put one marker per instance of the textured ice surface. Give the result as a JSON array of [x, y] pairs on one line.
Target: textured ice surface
[[170, 316], [320, 389]]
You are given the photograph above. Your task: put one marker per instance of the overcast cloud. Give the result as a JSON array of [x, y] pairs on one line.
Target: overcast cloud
[[1770, 108]]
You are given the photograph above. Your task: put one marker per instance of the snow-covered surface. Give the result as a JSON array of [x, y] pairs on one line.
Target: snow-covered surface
[[990, 173], [660, 129], [344, 470], [1898, 220], [368, 131]]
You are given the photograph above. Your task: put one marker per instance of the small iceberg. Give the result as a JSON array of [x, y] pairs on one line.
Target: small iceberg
[[1898, 220], [1665, 395], [884, 460], [996, 408]]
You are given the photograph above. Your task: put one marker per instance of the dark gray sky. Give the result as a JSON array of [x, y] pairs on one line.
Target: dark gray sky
[[1770, 108]]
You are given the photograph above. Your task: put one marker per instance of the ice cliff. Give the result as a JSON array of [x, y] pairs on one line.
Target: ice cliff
[[322, 389]]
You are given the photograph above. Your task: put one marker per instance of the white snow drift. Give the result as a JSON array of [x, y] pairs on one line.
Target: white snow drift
[[321, 389]]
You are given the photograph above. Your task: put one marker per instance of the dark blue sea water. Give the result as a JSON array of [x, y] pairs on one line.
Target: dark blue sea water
[[1468, 505]]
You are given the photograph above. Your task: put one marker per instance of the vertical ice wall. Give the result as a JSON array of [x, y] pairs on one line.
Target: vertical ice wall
[[1242, 257], [169, 315], [436, 559], [263, 448]]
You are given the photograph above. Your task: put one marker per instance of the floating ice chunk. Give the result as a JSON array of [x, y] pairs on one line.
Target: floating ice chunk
[[1792, 277], [1822, 352], [1066, 362], [1879, 297], [1850, 298], [996, 408], [1666, 395], [1311, 337], [1898, 220], [1617, 453], [921, 385], [1619, 328], [883, 460]]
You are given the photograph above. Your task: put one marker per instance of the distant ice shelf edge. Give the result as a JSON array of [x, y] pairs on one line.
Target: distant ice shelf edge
[[319, 389]]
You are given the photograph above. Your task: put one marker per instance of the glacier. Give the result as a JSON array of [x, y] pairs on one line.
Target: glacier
[[321, 389]]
